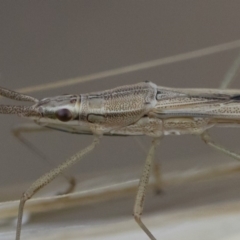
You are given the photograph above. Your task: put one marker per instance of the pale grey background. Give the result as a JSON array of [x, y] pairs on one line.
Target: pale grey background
[[47, 41]]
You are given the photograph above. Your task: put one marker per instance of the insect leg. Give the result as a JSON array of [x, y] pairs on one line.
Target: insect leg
[[31, 128], [156, 168], [141, 192], [208, 140], [47, 178]]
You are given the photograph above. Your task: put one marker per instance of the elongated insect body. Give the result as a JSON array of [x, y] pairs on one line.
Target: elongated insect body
[[139, 109]]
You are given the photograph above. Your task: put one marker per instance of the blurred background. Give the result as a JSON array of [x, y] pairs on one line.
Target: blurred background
[[45, 42]]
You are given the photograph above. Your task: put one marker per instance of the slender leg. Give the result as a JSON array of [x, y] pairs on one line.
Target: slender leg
[[208, 140], [141, 192], [156, 168], [47, 178], [30, 128]]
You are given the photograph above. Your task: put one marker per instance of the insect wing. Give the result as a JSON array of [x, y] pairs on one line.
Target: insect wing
[[199, 103]]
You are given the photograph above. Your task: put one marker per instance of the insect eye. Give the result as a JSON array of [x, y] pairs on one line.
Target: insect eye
[[64, 115]]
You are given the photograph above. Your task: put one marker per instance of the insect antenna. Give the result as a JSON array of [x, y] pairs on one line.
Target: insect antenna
[[26, 111], [16, 96]]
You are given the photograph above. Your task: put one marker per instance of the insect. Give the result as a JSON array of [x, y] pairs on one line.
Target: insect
[[140, 109], [131, 110]]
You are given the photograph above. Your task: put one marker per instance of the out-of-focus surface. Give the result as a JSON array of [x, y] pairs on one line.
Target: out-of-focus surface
[[44, 42]]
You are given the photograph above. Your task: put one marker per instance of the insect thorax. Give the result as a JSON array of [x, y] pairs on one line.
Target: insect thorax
[[118, 107]]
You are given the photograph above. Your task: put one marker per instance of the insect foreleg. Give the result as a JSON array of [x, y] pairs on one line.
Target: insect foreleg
[[33, 128], [47, 178]]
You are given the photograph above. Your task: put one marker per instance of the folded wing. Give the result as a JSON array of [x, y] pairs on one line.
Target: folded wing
[[204, 103]]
